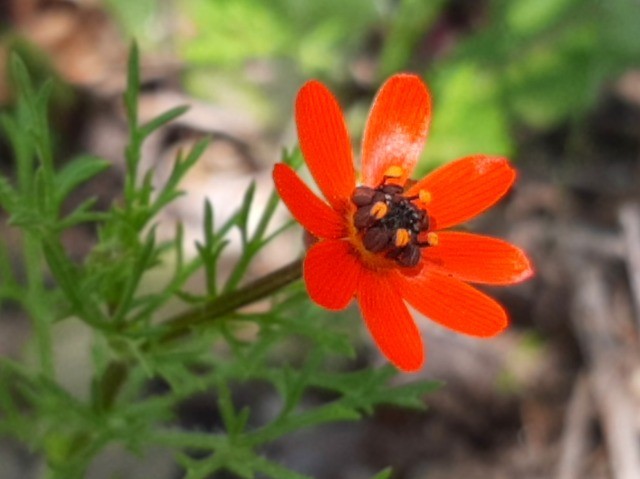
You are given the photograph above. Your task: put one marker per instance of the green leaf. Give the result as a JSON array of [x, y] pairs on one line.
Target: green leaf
[[8, 196], [207, 250], [163, 119], [82, 214], [275, 471], [409, 396], [21, 76], [291, 383], [146, 258], [32, 116], [41, 126], [384, 474], [240, 464], [333, 412], [368, 388], [133, 86], [243, 213], [233, 422], [76, 172], [43, 196], [143, 195], [292, 158], [181, 166], [22, 147], [68, 277], [9, 287], [296, 315]]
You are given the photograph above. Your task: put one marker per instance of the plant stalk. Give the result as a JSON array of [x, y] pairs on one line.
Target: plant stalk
[[226, 303]]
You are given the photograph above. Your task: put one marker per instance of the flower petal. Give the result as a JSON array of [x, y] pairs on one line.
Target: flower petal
[[325, 143], [465, 188], [478, 259], [310, 211], [452, 303], [390, 322], [331, 273], [396, 129]]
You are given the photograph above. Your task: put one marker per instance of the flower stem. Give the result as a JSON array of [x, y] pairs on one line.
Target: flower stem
[[226, 303]]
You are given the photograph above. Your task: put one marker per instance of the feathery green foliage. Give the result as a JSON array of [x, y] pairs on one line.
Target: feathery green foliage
[[293, 348]]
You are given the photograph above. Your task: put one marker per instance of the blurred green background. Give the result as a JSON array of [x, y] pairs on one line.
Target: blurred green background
[[498, 69], [495, 67]]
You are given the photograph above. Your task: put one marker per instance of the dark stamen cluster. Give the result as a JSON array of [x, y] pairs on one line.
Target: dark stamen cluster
[[381, 213]]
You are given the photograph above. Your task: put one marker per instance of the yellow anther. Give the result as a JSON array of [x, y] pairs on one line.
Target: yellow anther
[[394, 171], [432, 239], [424, 196], [379, 210], [403, 237]]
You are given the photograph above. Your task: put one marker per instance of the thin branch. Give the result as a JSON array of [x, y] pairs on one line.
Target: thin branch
[[224, 304], [574, 443], [605, 355], [629, 217]]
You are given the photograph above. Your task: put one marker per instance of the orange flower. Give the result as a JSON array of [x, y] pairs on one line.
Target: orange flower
[[381, 242]]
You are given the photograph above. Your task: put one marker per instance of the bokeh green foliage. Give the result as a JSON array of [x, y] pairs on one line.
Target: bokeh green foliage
[[535, 64], [315, 35], [226, 33]]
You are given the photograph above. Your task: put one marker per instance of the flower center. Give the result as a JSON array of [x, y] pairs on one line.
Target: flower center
[[390, 223]]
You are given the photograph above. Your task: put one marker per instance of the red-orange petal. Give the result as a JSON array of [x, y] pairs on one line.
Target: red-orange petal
[[389, 322], [478, 259], [331, 273], [396, 129], [310, 211], [452, 303], [465, 188], [325, 143]]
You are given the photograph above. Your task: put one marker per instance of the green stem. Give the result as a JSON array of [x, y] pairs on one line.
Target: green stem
[[34, 304], [110, 383], [226, 303]]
